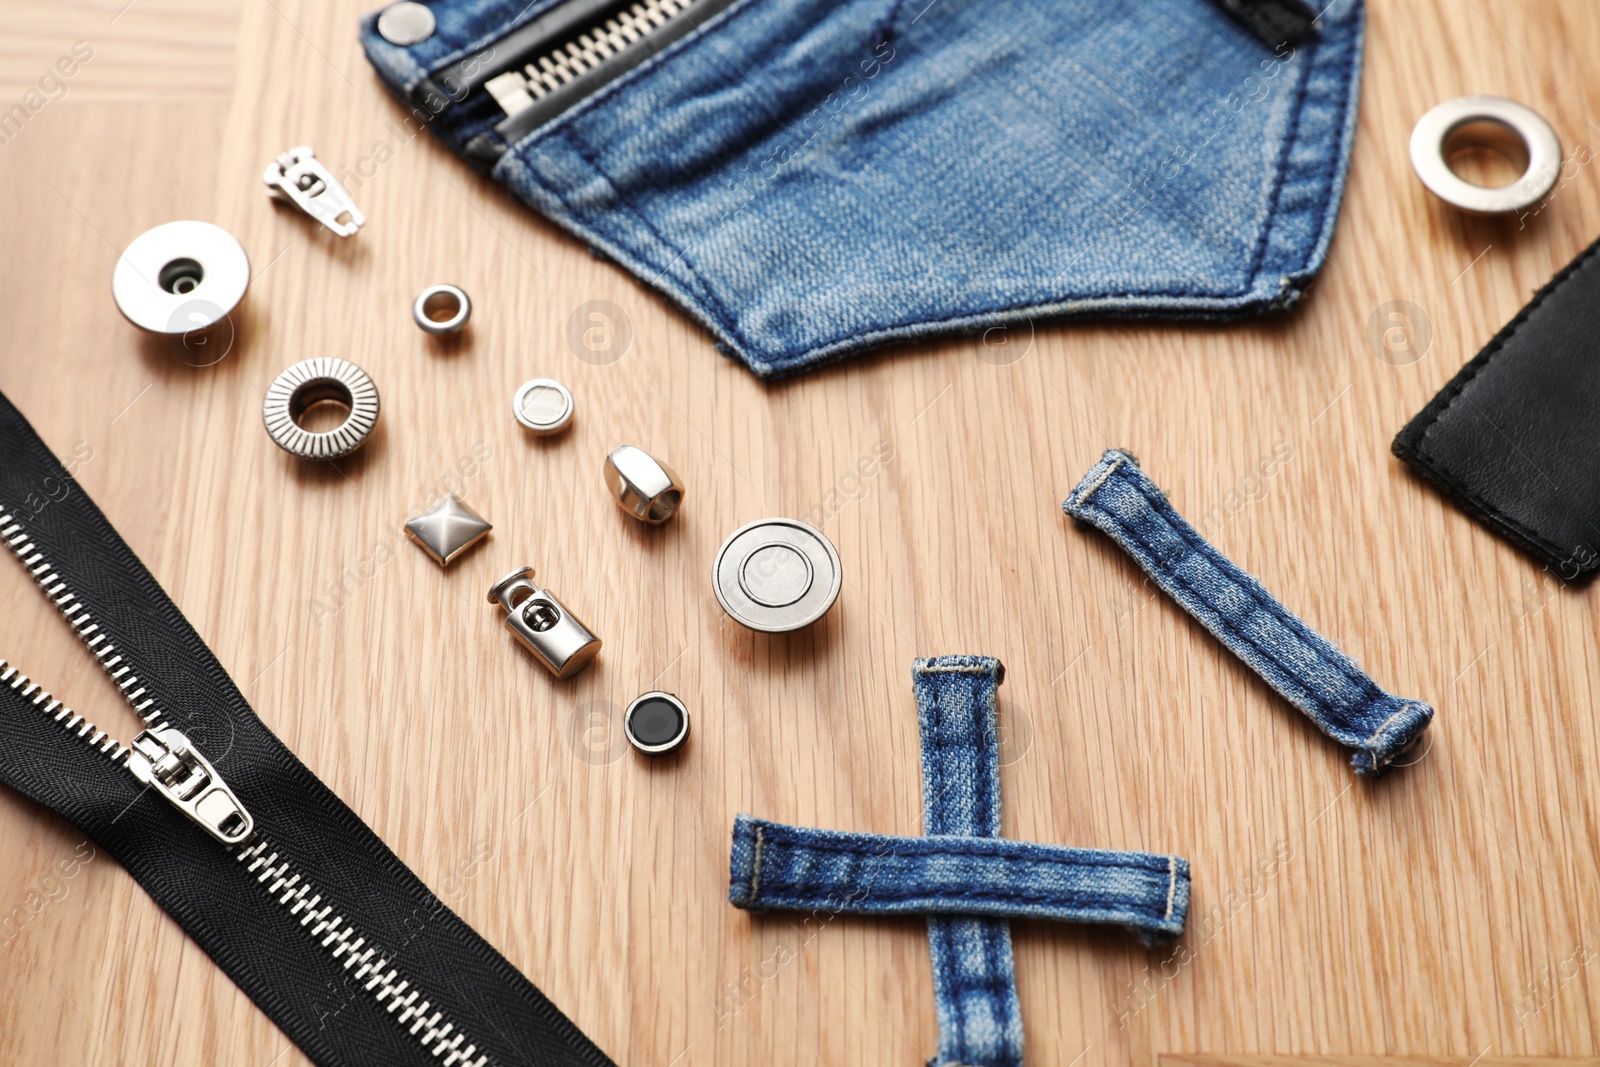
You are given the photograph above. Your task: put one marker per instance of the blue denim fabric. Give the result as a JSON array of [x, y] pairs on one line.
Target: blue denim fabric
[[786, 868], [1299, 663], [811, 178], [974, 978], [963, 875]]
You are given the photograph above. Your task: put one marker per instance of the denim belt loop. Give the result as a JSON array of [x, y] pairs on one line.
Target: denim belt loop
[[961, 874], [1299, 663], [974, 979]]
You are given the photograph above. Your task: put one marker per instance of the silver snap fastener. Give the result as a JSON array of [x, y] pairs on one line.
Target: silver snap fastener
[[1468, 119], [543, 405], [180, 277], [656, 723], [777, 575], [406, 24], [317, 381], [642, 485], [441, 309]]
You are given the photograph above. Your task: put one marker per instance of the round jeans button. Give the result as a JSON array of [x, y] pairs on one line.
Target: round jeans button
[[406, 24], [777, 575]]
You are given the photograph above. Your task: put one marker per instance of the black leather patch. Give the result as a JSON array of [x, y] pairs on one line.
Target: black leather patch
[[1515, 437], [1277, 22]]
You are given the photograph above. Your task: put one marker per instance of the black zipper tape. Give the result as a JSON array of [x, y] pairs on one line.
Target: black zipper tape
[[1277, 22], [524, 44], [261, 944]]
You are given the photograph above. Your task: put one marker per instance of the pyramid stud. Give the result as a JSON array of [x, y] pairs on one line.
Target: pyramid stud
[[447, 529]]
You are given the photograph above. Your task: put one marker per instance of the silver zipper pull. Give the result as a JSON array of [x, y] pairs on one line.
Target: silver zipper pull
[[164, 758], [298, 177]]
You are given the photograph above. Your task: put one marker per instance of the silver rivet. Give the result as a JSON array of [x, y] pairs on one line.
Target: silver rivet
[[447, 529], [180, 277], [777, 575], [642, 485], [406, 24], [449, 300], [316, 381], [543, 405], [1430, 141]]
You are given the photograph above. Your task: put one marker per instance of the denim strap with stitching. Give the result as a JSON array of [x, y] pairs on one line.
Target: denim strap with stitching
[[974, 978], [830, 871], [962, 874], [1299, 663]]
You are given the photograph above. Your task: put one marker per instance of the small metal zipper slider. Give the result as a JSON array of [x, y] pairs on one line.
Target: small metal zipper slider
[[297, 176], [164, 758]]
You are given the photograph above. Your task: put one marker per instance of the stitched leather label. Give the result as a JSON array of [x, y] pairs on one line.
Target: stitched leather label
[[1514, 438]]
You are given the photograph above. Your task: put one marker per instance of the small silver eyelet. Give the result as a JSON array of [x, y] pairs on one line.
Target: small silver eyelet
[[448, 298]]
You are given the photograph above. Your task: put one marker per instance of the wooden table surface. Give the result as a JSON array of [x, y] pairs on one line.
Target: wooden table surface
[[1450, 911]]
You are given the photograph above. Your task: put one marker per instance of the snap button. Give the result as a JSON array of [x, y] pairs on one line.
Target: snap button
[[406, 24], [180, 277], [777, 575]]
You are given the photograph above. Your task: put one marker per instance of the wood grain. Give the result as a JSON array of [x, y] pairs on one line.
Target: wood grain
[[1447, 912], [1224, 1060]]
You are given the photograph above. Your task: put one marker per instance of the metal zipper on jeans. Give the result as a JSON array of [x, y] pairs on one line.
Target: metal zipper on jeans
[[545, 66], [516, 90], [162, 758]]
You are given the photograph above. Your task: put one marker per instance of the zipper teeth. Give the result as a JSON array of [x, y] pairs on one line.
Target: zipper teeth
[[362, 962], [70, 720], [397, 995], [583, 53], [16, 538]]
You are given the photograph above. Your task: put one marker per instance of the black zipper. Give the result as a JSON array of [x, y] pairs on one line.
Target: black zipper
[[279, 881], [539, 70]]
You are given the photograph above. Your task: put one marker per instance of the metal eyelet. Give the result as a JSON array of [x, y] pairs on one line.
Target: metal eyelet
[[313, 381], [447, 298], [1430, 141]]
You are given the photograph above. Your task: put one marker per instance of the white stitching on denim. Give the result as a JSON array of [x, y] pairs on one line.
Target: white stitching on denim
[[755, 869], [1088, 490], [1172, 886], [1372, 739], [954, 670]]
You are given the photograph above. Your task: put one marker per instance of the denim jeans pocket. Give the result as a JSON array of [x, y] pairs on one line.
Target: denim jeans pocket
[[812, 178]]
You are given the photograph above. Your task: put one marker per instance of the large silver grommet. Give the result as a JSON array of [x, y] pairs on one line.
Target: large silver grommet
[[1495, 122], [441, 309], [406, 23], [777, 575], [316, 381], [642, 485], [180, 277]]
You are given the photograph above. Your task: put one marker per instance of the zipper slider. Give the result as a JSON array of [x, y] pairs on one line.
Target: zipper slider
[[164, 758], [297, 176]]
